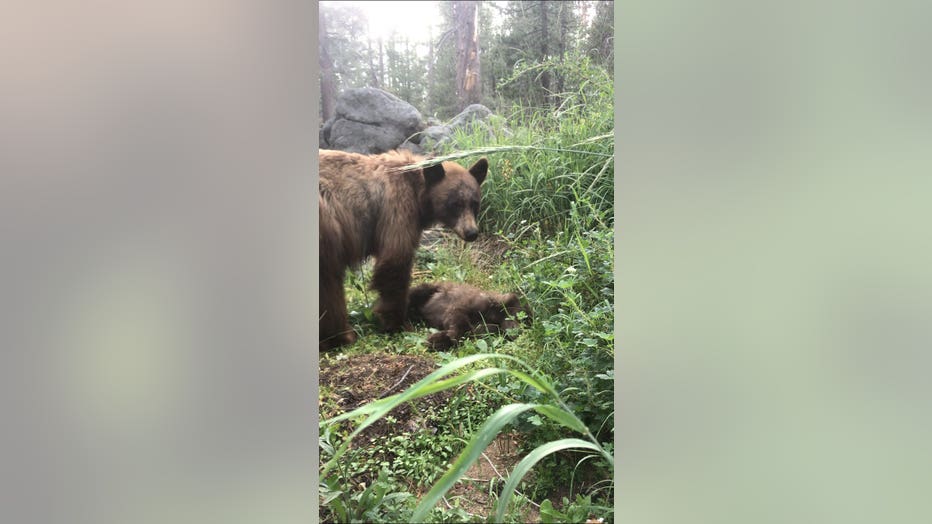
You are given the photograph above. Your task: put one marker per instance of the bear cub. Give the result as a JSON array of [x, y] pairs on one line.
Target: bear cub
[[458, 310]]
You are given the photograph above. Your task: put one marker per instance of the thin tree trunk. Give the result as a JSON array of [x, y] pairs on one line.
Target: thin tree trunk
[[474, 70], [428, 106], [327, 83], [544, 48], [381, 64], [468, 87], [564, 30], [373, 74]]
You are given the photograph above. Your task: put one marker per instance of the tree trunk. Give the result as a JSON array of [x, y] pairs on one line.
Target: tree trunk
[[428, 98], [468, 87], [564, 34], [381, 64], [373, 74], [544, 48], [327, 82]]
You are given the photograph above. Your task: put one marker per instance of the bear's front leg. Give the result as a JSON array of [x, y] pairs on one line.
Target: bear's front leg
[[440, 341], [335, 330], [391, 278], [486, 329], [455, 326]]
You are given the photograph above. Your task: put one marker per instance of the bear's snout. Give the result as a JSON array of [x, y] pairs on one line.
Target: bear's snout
[[470, 234]]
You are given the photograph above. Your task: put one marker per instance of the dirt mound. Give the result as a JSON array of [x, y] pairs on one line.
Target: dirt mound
[[348, 382]]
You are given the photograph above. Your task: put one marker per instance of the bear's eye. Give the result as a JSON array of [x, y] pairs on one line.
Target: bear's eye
[[474, 205]]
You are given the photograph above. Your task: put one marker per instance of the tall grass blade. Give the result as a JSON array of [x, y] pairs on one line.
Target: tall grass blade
[[563, 417], [494, 149]]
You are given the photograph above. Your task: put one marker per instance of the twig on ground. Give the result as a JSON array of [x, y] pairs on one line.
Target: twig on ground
[[403, 377]]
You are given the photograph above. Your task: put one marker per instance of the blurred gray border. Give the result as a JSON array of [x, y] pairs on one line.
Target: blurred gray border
[[315, 249]]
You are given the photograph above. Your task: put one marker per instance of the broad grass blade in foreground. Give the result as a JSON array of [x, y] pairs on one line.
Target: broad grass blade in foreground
[[563, 417]]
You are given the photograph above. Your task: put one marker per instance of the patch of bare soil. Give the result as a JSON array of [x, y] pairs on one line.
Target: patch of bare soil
[[489, 250], [347, 382]]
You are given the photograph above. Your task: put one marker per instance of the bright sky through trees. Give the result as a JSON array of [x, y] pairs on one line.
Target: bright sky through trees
[[409, 18]]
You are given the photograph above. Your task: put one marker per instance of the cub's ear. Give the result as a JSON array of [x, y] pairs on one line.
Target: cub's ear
[[513, 306], [433, 174], [479, 169]]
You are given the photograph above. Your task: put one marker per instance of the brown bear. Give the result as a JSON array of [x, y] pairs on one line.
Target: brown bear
[[461, 309], [371, 206]]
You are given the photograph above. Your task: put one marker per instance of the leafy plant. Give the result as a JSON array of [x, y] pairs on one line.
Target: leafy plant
[[579, 510], [381, 500]]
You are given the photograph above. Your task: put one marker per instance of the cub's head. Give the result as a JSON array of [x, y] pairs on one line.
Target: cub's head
[[513, 306], [453, 196]]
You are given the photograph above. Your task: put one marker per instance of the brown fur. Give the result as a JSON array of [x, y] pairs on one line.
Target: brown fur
[[370, 208], [460, 309]]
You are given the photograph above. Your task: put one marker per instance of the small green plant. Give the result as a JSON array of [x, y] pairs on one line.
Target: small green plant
[[340, 501], [579, 510], [376, 502]]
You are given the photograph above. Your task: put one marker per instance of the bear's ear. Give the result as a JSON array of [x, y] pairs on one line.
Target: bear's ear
[[512, 304], [479, 169], [433, 174]]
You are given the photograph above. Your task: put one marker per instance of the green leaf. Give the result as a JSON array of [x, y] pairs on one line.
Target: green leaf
[[332, 495], [537, 383], [563, 417], [548, 515]]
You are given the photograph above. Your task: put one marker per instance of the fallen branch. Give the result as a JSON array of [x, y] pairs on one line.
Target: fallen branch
[[403, 377]]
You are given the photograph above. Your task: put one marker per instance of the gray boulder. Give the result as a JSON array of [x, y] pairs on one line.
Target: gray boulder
[[413, 147], [369, 121], [324, 137], [469, 116], [435, 136], [356, 137], [474, 116]]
